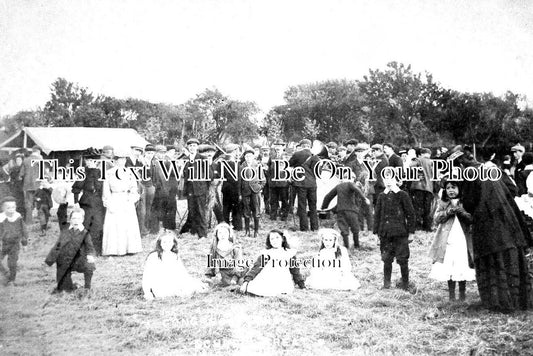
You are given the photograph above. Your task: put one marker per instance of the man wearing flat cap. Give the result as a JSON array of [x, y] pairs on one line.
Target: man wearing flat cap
[[196, 188], [306, 188], [350, 147]]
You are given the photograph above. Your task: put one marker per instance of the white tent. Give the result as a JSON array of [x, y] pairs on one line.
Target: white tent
[[62, 139]]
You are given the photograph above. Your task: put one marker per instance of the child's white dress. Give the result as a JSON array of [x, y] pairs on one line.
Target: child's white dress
[[337, 276], [455, 265], [275, 277], [168, 277]]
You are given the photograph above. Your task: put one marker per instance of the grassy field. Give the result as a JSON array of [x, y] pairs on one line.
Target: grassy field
[[114, 318]]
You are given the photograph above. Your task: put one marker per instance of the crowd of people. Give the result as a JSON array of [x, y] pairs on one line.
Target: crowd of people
[[482, 226]]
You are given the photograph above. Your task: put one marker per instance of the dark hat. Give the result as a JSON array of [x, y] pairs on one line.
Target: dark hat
[[138, 148], [92, 156], [257, 146], [170, 147], [248, 151], [425, 150], [149, 148], [279, 143], [305, 142], [192, 140], [265, 148], [377, 146], [350, 142], [206, 148], [8, 198], [331, 145]]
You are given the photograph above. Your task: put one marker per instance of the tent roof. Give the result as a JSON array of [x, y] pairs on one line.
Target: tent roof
[[81, 138]]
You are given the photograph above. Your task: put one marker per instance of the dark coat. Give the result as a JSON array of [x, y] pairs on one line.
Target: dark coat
[[394, 215], [91, 187], [247, 187], [395, 161], [12, 233], [445, 219], [497, 223], [378, 184], [71, 251], [308, 161], [192, 167], [350, 197]]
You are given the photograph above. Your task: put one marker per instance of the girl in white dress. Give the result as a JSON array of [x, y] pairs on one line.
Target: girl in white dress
[[333, 269], [164, 273], [452, 244], [121, 227], [274, 271]]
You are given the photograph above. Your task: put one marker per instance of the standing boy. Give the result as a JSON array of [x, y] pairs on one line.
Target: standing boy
[[394, 220], [12, 233]]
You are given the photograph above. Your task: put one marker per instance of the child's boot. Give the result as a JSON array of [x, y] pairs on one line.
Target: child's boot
[[462, 290], [88, 276], [356, 240], [387, 272], [451, 290]]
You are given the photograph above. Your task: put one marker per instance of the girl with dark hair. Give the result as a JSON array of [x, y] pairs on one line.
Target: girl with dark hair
[[274, 271], [451, 249], [164, 273], [333, 269]]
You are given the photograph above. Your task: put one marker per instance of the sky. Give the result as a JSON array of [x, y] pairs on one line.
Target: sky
[[169, 51]]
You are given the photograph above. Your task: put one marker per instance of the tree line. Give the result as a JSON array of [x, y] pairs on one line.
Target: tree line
[[394, 104]]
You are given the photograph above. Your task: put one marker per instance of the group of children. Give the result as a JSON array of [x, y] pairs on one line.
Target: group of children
[[165, 275]]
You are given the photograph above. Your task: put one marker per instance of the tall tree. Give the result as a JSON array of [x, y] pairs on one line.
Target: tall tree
[[398, 98]]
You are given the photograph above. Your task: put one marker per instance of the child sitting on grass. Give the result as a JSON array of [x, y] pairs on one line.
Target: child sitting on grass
[[335, 269], [272, 273], [73, 252], [394, 220], [164, 273], [452, 244], [224, 248], [13, 233]]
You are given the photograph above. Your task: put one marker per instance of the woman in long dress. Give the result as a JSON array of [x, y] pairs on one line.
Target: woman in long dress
[[121, 227], [500, 238]]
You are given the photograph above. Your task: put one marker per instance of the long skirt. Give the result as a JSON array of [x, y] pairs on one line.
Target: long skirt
[[121, 228], [503, 280]]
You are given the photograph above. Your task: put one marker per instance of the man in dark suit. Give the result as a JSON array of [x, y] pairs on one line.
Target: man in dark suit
[[394, 159], [306, 187], [350, 147], [196, 187], [378, 155]]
